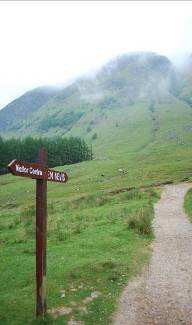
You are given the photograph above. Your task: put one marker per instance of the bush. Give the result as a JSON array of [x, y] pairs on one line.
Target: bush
[[88, 129], [94, 137], [141, 222]]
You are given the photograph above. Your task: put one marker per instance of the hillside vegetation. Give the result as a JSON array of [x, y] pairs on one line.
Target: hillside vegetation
[[188, 204], [135, 107], [13, 114], [60, 151], [88, 103], [136, 114], [96, 241]]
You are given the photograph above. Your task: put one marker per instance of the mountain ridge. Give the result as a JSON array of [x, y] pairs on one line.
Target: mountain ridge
[[129, 78]]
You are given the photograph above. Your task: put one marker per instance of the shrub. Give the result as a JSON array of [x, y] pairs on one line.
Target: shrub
[[88, 129], [94, 137], [141, 222]]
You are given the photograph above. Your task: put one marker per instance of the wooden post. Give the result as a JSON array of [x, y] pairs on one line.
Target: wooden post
[[42, 174], [41, 238]]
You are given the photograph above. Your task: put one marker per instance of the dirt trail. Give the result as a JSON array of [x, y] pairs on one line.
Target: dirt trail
[[163, 294]]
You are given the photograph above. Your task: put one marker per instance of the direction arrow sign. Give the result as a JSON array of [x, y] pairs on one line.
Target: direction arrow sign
[[42, 175], [37, 171]]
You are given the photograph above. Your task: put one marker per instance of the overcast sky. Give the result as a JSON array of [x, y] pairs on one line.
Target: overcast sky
[[51, 42]]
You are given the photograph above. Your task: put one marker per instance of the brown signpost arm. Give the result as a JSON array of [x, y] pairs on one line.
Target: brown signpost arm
[[41, 235], [42, 174]]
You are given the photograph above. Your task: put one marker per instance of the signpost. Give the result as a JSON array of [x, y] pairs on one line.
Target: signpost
[[36, 170], [42, 174]]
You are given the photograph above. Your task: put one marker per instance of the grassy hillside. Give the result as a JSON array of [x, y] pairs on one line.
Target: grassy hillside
[[97, 240], [121, 83], [99, 226], [186, 81], [12, 115], [129, 110], [99, 230]]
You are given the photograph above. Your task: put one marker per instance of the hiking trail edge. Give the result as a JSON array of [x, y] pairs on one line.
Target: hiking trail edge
[[163, 293]]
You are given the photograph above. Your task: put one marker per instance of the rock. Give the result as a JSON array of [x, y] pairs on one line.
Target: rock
[[122, 171], [73, 289], [60, 311], [73, 303], [93, 296], [62, 293], [82, 309], [74, 322]]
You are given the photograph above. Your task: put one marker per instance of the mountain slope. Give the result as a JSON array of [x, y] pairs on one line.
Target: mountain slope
[[132, 109], [186, 80], [121, 83], [99, 224], [12, 115]]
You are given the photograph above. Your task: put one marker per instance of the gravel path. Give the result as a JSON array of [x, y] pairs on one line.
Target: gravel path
[[163, 293]]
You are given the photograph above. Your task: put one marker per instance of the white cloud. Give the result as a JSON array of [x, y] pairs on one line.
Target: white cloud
[[46, 42]]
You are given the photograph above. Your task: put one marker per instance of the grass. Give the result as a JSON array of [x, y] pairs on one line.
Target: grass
[[98, 235], [188, 204], [96, 242], [99, 231]]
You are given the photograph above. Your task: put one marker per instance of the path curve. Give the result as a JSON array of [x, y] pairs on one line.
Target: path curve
[[163, 293]]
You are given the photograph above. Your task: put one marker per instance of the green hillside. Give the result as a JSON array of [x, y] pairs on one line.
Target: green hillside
[[137, 104], [185, 77], [12, 115], [97, 240], [135, 114], [88, 103]]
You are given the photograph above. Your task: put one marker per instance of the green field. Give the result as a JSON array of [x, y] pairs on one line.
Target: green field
[[96, 241], [99, 230], [100, 222]]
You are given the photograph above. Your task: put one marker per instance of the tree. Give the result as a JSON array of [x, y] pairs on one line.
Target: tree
[[61, 151]]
